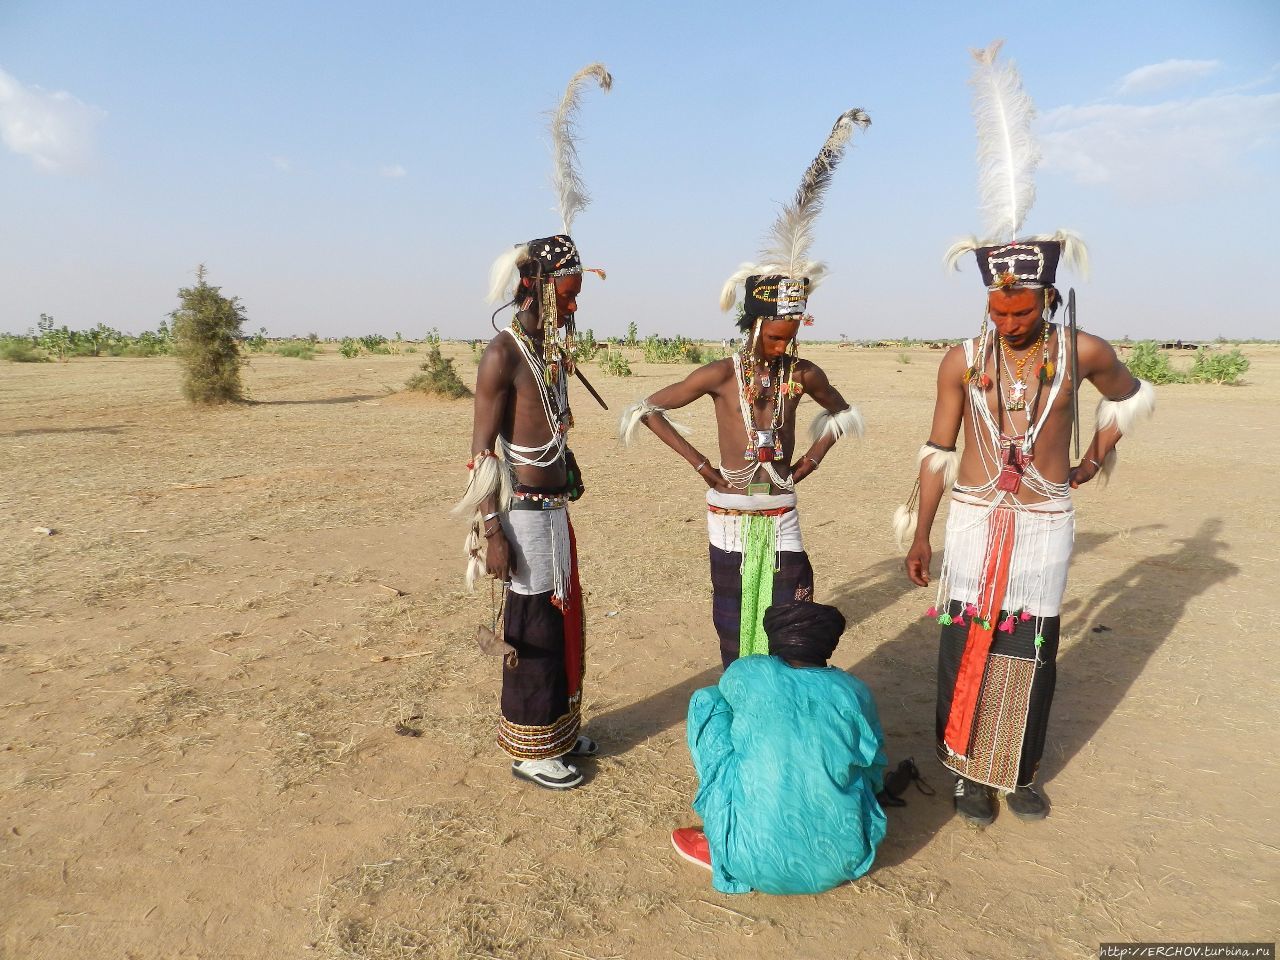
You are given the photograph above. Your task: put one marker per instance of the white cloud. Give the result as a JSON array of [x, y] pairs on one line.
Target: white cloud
[[1163, 150], [393, 171], [1161, 76], [55, 130], [283, 164]]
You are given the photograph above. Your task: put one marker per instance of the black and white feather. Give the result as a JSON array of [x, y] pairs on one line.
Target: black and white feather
[[571, 193], [787, 248]]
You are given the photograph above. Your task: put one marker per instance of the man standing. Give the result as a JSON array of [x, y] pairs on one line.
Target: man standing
[[1011, 522], [757, 556], [522, 478]]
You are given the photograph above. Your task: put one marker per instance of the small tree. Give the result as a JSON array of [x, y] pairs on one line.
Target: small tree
[[207, 334], [438, 376]]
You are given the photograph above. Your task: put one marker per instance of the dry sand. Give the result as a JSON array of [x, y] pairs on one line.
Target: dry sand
[[199, 756]]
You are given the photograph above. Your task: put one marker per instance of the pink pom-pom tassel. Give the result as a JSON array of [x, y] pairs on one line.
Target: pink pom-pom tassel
[[1025, 616], [932, 613], [959, 621]]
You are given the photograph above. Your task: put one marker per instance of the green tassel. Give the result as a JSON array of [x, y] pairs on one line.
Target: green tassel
[[945, 619], [1039, 641]]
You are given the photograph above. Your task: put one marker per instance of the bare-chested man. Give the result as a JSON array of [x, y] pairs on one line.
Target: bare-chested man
[[523, 477], [1011, 523], [757, 556]]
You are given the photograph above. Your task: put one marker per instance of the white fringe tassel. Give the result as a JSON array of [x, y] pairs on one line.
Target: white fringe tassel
[[491, 477], [945, 462], [904, 524], [846, 421], [634, 415], [1125, 414], [1108, 466]]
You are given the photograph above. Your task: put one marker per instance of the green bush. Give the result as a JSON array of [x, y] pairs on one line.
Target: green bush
[[298, 349], [375, 343], [206, 330], [1152, 364], [350, 348], [614, 364], [584, 346], [664, 350], [438, 377], [1218, 367], [21, 350]]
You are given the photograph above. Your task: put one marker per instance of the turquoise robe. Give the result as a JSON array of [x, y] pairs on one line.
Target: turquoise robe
[[789, 761]]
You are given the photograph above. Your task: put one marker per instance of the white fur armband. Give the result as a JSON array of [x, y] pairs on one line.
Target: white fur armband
[[1124, 414], [846, 421], [634, 415], [945, 462], [490, 477]]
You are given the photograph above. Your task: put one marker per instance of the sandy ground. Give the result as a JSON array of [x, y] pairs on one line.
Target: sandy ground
[[198, 744]]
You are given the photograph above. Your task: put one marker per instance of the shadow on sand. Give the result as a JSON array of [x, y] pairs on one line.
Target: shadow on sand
[[47, 431], [1142, 606], [327, 401]]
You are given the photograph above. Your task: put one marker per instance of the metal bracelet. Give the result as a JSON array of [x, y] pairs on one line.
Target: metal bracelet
[[706, 462], [1094, 462], [813, 461], [489, 516]]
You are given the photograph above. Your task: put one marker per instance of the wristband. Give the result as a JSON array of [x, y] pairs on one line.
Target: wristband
[[705, 462], [813, 461], [489, 516], [1094, 462]]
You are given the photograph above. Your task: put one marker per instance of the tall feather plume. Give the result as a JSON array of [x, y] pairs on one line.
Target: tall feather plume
[[1007, 152], [571, 193], [787, 252]]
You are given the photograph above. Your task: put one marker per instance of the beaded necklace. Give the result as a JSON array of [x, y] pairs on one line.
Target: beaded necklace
[[552, 382], [1017, 387]]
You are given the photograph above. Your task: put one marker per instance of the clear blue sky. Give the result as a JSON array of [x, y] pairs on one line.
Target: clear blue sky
[[347, 169]]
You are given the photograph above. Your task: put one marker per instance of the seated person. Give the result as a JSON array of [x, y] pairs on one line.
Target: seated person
[[789, 755]]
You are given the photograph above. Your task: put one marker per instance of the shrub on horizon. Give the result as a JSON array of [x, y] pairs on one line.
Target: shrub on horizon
[[207, 334], [438, 376]]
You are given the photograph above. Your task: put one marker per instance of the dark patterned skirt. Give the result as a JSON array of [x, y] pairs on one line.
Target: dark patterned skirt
[[1012, 714]]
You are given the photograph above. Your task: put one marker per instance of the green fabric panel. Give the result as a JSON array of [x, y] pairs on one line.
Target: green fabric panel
[[758, 554]]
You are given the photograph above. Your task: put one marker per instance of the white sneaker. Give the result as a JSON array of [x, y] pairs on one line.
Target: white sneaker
[[554, 774]]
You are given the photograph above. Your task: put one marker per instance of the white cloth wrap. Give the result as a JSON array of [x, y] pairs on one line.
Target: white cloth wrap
[[724, 532], [1044, 534], [540, 551]]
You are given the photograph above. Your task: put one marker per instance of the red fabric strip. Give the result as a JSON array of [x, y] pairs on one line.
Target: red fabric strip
[[573, 622], [973, 662]]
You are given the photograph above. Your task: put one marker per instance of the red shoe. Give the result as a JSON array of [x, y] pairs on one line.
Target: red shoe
[[691, 844]]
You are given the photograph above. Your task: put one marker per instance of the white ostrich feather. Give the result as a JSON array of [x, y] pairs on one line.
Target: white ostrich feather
[[1007, 151], [571, 193], [789, 241]]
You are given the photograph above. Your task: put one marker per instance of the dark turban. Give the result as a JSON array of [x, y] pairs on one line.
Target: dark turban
[[807, 632], [557, 256]]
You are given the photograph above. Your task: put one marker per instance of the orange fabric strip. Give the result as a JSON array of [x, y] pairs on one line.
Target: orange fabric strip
[[973, 662]]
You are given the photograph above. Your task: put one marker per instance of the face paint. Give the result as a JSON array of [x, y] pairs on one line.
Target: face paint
[[775, 335], [1016, 312]]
